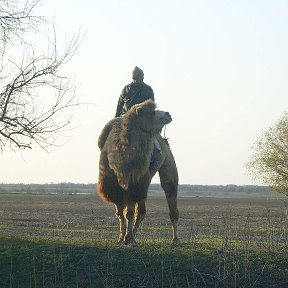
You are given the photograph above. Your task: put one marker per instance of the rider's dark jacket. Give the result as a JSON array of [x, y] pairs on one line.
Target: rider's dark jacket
[[133, 93]]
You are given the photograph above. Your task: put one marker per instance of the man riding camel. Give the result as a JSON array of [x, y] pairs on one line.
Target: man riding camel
[[135, 93]]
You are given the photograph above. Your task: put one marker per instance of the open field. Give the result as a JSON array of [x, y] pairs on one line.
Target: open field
[[70, 241]]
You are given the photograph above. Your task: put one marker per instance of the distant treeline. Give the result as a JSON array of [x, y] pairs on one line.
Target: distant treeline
[[214, 189], [48, 188], [71, 188]]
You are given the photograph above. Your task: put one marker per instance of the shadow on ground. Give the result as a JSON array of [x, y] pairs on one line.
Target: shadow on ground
[[101, 263]]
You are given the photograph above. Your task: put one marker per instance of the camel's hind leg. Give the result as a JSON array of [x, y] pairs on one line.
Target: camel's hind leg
[[122, 222], [169, 182], [173, 210], [140, 212]]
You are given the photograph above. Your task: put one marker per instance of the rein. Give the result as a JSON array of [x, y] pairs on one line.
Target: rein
[[164, 131]]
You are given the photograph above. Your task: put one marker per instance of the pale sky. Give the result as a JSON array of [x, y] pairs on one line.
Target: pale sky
[[219, 67]]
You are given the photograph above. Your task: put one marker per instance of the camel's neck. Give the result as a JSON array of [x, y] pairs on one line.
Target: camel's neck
[[140, 147], [141, 141]]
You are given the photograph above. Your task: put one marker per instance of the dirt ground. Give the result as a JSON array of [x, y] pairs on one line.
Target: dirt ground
[[87, 216]]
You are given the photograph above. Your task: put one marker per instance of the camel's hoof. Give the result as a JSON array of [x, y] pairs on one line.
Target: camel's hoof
[[128, 242], [129, 239], [120, 239], [175, 241]]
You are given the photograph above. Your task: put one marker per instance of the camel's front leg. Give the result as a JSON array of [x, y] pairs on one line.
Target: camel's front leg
[[129, 216], [140, 212], [122, 222]]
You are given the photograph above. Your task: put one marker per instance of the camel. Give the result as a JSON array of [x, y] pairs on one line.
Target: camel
[[126, 144]]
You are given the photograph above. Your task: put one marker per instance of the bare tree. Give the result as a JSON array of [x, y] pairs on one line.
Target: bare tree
[[27, 115], [269, 161], [16, 19]]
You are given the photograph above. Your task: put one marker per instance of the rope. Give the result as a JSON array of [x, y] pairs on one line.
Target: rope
[[164, 131]]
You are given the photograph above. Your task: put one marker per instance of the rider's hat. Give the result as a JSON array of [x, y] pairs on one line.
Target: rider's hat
[[137, 72]]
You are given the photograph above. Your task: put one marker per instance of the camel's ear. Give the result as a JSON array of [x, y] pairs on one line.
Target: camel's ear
[[140, 111]]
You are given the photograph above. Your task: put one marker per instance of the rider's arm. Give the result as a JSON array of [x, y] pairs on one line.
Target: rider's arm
[[120, 105], [152, 95]]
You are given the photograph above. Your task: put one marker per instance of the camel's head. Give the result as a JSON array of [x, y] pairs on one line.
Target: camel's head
[[145, 117], [163, 117]]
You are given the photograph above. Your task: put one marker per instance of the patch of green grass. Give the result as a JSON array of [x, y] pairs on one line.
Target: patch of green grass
[[62, 262]]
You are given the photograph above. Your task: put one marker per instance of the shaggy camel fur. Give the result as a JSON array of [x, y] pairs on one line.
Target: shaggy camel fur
[[126, 145]]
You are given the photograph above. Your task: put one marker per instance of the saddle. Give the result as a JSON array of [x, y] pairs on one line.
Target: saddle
[[155, 163]]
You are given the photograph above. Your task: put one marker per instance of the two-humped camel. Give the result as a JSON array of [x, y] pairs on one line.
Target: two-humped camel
[[126, 145]]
